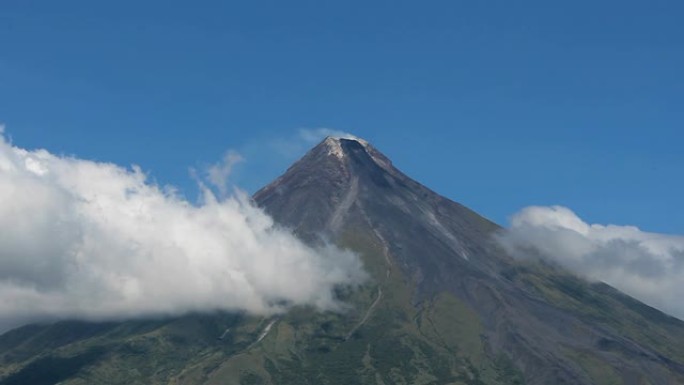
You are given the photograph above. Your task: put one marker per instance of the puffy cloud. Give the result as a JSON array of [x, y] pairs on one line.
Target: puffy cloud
[[647, 266], [89, 240]]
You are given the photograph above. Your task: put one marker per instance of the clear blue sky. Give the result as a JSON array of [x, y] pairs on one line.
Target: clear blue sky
[[495, 104]]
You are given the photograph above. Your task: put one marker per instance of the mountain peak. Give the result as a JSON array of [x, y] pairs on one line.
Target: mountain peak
[[334, 144], [341, 147], [345, 185]]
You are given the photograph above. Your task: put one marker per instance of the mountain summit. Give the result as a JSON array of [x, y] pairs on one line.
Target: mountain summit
[[443, 304], [344, 186]]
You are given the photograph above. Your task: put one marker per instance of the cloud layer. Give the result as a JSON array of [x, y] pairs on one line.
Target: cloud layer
[[647, 266], [89, 240]]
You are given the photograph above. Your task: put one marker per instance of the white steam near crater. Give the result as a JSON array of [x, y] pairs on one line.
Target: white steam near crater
[[647, 266], [89, 240], [315, 135]]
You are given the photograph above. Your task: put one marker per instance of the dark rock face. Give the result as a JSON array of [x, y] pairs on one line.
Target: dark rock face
[[441, 246]]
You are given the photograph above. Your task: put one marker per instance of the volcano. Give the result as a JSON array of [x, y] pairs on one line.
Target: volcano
[[443, 304]]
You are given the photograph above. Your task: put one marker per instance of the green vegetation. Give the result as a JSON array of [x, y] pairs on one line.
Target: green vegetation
[[506, 372], [51, 369], [599, 371], [439, 340], [399, 343]]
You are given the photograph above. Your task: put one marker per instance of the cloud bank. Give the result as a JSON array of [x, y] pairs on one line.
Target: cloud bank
[[647, 266], [89, 240]]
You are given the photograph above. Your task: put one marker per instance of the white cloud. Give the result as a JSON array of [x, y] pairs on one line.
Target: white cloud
[[218, 173], [89, 240], [296, 145], [315, 135], [647, 266]]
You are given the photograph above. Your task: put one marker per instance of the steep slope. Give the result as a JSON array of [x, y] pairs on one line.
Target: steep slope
[[555, 327], [443, 304], [343, 184]]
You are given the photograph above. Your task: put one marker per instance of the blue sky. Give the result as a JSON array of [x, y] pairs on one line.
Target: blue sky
[[495, 104]]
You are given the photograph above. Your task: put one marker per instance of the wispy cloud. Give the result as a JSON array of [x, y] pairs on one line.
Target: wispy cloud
[[219, 173], [647, 266], [266, 156], [83, 239], [315, 135], [303, 139]]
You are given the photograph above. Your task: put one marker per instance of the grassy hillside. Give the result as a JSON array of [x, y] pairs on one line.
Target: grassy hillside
[[384, 337], [391, 342]]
